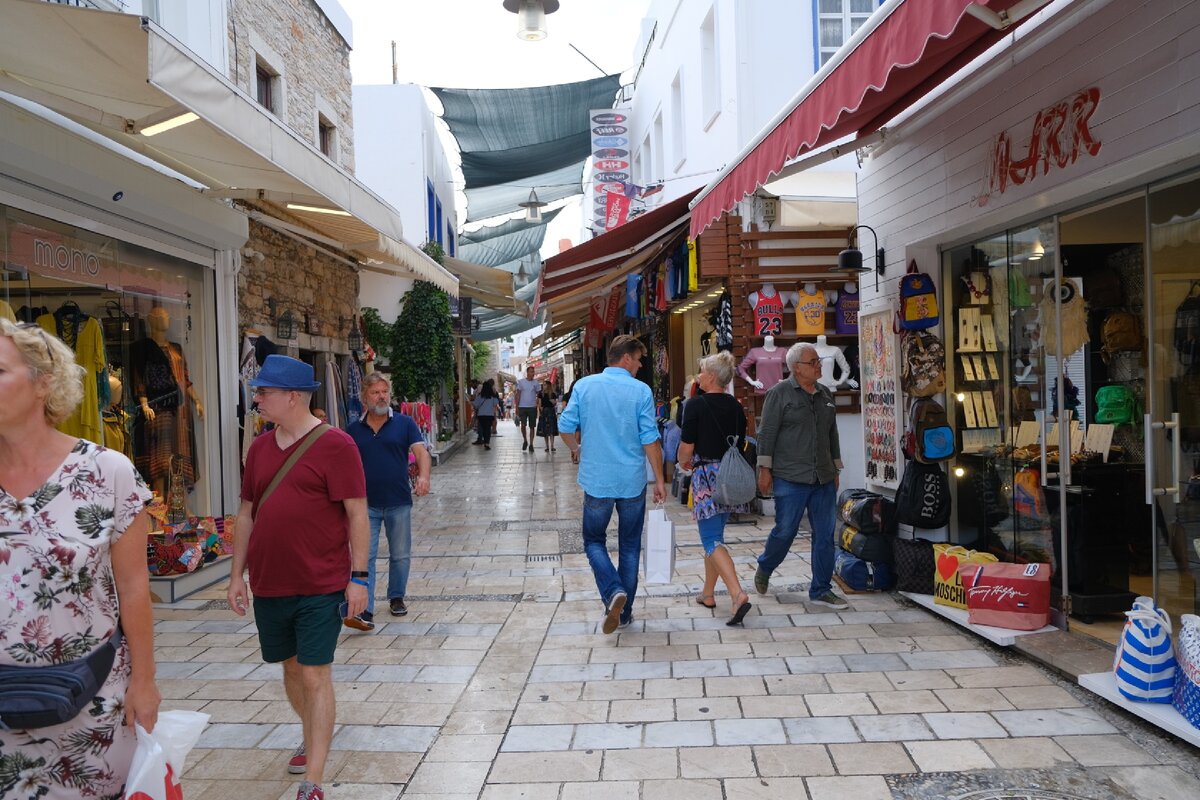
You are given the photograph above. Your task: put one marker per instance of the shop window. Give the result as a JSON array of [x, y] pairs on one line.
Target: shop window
[[140, 323], [437, 227], [836, 21]]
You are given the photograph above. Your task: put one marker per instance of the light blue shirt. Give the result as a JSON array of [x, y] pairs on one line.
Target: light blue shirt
[[615, 413]]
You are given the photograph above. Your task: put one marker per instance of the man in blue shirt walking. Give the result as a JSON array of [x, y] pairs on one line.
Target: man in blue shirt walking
[[384, 439], [614, 414]]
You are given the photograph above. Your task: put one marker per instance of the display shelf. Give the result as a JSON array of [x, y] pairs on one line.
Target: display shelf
[[171, 588], [1005, 637], [1161, 715]]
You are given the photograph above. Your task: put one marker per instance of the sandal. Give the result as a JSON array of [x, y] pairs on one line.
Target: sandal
[[742, 610], [700, 600]]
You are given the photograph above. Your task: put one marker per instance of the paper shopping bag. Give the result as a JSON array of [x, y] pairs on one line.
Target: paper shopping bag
[[658, 551]]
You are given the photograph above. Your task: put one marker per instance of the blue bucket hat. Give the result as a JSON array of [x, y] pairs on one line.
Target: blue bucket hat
[[285, 372]]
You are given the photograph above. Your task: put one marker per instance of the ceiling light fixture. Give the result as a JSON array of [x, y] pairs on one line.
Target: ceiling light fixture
[[531, 17], [168, 124], [337, 212], [1039, 251], [533, 207]]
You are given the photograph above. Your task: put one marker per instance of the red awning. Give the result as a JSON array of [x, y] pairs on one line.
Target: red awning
[[905, 53], [588, 261]]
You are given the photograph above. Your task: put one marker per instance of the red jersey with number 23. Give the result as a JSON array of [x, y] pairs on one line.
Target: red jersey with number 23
[[301, 539], [768, 314]]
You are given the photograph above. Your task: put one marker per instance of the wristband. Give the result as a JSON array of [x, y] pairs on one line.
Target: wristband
[[360, 582], [360, 573]]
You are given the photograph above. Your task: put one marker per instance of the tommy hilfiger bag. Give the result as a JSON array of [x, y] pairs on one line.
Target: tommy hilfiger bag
[[51, 694]]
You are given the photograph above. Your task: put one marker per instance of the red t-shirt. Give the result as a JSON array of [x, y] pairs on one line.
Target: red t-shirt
[[301, 539]]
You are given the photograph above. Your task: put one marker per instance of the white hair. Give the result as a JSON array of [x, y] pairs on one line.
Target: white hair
[[795, 353]]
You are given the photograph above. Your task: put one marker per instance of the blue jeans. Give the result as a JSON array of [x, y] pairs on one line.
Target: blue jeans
[[791, 500], [398, 521], [712, 532], [631, 512]]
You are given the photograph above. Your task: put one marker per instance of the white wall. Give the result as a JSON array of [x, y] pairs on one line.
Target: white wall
[[396, 150]]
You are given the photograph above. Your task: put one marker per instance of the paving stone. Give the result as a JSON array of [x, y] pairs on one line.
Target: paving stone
[[608, 736], [716, 762], [642, 764], [1054, 722], [749, 731], [944, 756], [1026, 752], [820, 730], [966, 725], [683, 790], [1155, 783], [678, 734], [865, 787], [842, 704], [792, 760], [892, 727], [1104, 751], [385, 738], [608, 790], [816, 664], [390, 673], [866, 758], [572, 765], [239, 735]]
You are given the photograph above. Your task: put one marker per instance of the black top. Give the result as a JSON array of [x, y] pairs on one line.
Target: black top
[[546, 399], [708, 419]]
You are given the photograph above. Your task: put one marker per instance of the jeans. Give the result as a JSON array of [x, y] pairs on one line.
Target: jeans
[[631, 512], [712, 532], [483, 428], [398, 521], [791, 500]]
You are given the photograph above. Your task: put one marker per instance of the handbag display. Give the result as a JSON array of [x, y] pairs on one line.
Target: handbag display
[[947, 584], [863, 576], [1145, 660], [1014, 596], [1186, 699], [918, 301], [914, 565], [923, 499], [47, 695], [658, 553], [922, 364]]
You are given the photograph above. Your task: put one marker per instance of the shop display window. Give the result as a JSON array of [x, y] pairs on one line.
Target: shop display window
[[134, 318]]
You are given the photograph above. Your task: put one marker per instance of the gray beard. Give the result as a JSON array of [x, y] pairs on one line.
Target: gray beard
[[380, 410]]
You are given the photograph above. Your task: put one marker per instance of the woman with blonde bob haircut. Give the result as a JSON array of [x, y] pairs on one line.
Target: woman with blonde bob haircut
[[711, 420], [73, 531]]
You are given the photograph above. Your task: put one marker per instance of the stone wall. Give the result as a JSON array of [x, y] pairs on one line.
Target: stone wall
[[315, 65], [300, 279]]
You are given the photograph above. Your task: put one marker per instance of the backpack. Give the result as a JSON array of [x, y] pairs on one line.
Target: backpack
[[929, 438], [918, 301], [923, 499], [922, 364], [735, 484], [1121, 332], [1187, 329], [1116, 405], [863, 576]]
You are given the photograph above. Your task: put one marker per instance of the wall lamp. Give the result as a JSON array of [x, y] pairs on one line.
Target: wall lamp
[[850, 260], [285, 326]]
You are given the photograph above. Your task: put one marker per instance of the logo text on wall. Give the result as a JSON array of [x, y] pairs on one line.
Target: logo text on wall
[[1058, 136]]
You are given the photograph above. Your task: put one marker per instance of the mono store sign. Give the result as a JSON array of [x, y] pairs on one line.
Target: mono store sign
[[57, 255], [1057, 137]]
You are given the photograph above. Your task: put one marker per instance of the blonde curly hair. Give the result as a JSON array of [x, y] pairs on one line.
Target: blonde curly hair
[[46, 356]]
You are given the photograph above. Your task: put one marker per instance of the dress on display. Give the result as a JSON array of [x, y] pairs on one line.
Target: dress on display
[[160, 375], [61, 605], [84, 335]]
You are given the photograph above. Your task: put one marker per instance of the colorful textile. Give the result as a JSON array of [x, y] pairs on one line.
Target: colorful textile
[[704, 482]]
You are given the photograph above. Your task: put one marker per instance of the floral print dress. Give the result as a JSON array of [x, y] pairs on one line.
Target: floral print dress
[[58, 603]]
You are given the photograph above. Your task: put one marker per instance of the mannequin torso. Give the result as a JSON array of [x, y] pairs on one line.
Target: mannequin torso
[[835, 370]]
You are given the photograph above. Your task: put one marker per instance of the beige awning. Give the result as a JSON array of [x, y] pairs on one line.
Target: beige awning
[[490, 287], [120, 75]]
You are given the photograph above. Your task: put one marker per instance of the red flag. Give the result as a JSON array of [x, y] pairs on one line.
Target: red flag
[[614, 307], [616, 210]]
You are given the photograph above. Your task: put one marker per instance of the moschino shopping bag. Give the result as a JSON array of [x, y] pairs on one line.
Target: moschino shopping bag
[[658, 553], [947, 585]]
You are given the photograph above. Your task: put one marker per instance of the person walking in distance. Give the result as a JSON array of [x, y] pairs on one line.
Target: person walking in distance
[[710, 421], [547, 423], [527, 408], [614, 413], [799, 458], [487, 405], [385, 438], [302, 530]]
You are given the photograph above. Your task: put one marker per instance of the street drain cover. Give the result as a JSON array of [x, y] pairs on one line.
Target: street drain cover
[[544, 557]]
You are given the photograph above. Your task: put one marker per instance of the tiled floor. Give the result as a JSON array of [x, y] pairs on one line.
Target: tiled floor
[[499, 685]]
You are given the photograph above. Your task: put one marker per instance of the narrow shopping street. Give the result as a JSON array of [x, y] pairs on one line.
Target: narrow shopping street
[[499, 685]]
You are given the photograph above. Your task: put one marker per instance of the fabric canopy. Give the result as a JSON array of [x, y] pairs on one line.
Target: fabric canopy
[[505, 198], [51, 54], [509, 241], [902, 52], [492, 288]]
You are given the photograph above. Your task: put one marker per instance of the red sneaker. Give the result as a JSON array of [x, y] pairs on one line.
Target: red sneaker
[[310, 791], [298, 763]]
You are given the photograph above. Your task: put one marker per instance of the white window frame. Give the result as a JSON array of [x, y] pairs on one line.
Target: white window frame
[[851, 21], [324, 113], [710, 70], [660, 147]]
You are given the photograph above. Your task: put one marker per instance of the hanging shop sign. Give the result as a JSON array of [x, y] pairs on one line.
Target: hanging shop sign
[[1058, 136], [611, 167], [880, 398]]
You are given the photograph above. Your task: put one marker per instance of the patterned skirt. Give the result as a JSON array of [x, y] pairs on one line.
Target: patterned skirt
[[547, 423], [704, 481]]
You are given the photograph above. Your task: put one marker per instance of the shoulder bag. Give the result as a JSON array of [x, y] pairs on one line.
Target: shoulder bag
[[309, 440]]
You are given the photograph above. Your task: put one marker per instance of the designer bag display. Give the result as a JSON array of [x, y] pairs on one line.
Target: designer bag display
[[1187, 677], [1014, 596], [1145, 660], [51, 694]]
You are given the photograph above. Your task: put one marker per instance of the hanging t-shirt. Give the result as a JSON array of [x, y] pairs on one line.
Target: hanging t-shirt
[[768, 313], [810, 312], [632, 305], [693, 267], [660, 290], [846, 313]]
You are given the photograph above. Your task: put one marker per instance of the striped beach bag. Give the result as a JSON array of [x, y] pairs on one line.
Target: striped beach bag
[[1187, 676], [1145, 660]]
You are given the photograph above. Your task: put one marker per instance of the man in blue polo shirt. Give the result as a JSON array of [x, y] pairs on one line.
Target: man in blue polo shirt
[[384, 439], [614, 413]]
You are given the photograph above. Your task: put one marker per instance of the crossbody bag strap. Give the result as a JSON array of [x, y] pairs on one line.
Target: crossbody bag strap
[[309, 441]]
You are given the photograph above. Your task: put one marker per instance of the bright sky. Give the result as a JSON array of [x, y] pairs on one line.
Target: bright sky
[[473, 44]]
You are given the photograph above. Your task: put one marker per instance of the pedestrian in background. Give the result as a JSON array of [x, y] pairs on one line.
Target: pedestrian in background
[[73, 554], [614, 413], [547, 421], [385, 438], [527, 392], [302, 530], [711, 421], [799, 458], [487, 405]]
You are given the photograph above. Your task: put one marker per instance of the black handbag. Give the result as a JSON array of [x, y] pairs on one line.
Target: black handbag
[[915, 565], [51, 694]]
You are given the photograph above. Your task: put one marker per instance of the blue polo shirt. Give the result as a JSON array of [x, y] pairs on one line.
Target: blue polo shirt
[[615, 413], [385, 458]]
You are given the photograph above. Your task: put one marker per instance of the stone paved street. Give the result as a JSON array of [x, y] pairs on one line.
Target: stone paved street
[[498, 684]]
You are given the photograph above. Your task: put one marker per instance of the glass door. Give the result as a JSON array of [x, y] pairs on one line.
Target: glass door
[[1172, 419]]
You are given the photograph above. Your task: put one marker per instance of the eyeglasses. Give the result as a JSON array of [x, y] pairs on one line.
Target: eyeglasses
[[267, 392], [810, 363], [33, 326]]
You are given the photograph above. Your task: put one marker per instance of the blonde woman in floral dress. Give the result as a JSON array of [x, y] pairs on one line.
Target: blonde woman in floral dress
[[73, 531]]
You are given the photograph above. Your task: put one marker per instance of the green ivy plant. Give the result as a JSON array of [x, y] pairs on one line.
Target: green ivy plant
[[379, 333], [422, 351], [483, 352]]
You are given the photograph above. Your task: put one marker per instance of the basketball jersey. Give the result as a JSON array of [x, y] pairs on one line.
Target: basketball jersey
[[810, 312], [768, 314], [846, 313]]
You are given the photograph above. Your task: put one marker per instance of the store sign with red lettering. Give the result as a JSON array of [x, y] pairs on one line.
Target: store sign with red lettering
[[610, 166], [1056, 139]]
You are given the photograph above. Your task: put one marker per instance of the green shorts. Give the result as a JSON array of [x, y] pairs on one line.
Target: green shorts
[[304, 626]]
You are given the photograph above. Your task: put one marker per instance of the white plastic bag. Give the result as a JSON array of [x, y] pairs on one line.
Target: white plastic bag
[[658, 554], [158, 761]]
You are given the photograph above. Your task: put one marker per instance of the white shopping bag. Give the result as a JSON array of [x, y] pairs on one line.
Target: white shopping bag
[[658, 551], [158, 761]]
